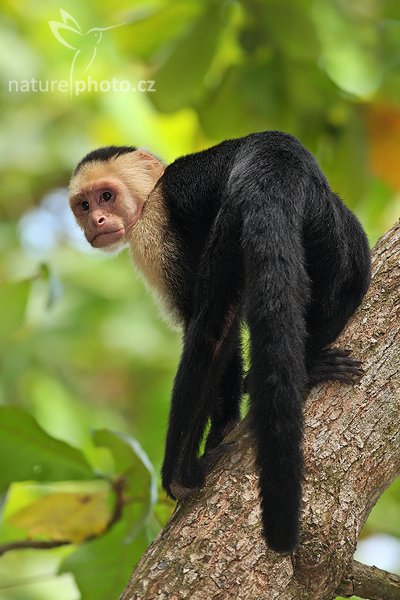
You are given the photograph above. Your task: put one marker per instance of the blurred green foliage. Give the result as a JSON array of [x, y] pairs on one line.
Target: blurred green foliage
[[81, 344]]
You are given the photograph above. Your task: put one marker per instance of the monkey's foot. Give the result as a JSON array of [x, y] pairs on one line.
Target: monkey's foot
[[334, 364], [180, 490]]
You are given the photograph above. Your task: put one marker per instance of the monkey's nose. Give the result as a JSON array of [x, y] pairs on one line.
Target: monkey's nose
[[98, 220]]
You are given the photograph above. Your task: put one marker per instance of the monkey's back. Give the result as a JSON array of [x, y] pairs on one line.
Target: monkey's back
[[195, 186]]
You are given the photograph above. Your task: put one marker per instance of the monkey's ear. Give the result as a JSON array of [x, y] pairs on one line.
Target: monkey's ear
[[150, 162], [147, 159]]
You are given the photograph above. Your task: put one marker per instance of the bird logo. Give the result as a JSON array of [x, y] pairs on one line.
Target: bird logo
[[84, 44]]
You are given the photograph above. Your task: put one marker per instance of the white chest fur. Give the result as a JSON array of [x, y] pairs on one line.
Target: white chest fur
[[153, 252]]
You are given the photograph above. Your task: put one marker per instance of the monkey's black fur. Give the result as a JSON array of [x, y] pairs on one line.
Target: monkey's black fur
[[103, 154], [261, 237]]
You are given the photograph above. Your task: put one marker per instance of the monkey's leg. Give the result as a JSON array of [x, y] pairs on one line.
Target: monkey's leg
[[225, 412], [339, 268], [200, 373], [195, 388], [328, 314], [328, 364], [208, 344]]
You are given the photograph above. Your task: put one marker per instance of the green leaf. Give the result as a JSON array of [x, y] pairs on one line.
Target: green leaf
[[13, 300], [27, 452], [384, 517], [247, 99], [290, 29], [350, 52], [180, 80], [101, 568], [347, 168], [149, 28], [133, 464]]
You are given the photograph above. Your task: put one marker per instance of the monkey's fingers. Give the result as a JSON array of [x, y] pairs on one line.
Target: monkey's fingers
[[194, 479], [335, 364], [336, 352], [179, 492]]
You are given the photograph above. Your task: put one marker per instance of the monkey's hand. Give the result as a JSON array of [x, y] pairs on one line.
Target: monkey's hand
[[334, 364], [178, 491], [181, 477]]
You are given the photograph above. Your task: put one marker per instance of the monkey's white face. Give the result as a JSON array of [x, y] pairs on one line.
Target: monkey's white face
[[106, 211], [107, 198]]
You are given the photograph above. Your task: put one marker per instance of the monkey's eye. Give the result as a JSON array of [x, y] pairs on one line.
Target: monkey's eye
[[106, 196], [84, 205]]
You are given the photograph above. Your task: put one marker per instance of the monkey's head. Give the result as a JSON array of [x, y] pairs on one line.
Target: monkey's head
[[108, 190]]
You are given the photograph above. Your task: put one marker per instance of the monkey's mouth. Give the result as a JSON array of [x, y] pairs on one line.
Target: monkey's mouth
[[106, 238]]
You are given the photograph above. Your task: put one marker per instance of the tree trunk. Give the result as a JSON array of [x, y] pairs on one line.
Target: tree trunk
[[212, 547]]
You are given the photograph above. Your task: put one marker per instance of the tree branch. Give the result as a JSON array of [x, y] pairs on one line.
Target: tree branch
[[212, 547], [369, 582], [32, 544]]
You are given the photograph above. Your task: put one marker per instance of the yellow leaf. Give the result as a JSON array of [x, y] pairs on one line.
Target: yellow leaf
[[65, 516]]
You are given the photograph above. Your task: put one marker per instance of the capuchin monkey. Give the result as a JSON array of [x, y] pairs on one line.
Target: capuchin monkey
[[246, 231]]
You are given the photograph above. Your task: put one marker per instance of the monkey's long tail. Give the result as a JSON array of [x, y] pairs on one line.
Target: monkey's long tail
[[277, 294]]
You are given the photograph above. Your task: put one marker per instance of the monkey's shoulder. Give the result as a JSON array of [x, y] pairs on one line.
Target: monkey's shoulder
[[210, 168], [194, 185]]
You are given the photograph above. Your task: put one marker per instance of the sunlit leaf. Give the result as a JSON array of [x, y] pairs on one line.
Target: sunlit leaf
[[65, 516], [248, 99], [346, 159], [133, 465], [149, 29], [27, 452], [101, 568], [390, 42], [384, 517], [163, 509], [13, 301], [287, 27], [349, 52], [180, 79]]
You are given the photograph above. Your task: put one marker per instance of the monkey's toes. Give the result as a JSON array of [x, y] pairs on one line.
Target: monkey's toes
[[179, 491], [335, 364]]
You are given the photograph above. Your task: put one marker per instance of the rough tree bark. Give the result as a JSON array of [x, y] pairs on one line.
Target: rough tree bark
[[212, 547]]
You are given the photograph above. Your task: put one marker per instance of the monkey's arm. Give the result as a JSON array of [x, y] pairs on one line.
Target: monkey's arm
[[210, 343]]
